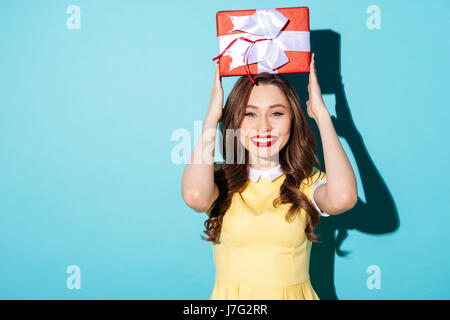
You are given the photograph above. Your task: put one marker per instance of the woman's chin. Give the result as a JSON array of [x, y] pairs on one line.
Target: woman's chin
[[266, 153]]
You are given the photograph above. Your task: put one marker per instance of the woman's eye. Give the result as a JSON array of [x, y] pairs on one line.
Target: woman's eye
[[251, 114]]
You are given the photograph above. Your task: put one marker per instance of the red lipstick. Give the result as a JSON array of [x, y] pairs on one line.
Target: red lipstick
[[269, 140]]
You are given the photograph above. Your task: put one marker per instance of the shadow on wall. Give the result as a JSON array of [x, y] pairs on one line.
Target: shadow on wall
[[379, 214]]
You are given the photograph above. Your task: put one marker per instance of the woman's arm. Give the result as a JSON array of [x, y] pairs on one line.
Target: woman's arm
[[340, 193], [197, 186]]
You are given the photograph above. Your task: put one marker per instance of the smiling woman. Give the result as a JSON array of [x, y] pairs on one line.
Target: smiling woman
[[261, 204]]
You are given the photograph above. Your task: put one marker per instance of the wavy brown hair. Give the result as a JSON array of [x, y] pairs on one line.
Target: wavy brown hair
[[297, 158]]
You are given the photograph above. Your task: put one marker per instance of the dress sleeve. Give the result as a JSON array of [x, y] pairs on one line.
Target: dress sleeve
[[318, 178]]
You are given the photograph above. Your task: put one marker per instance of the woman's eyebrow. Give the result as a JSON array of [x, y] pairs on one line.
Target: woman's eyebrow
[[270, 107]]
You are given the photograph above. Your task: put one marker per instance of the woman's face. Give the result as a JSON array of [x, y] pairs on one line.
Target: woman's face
[[266, 126]]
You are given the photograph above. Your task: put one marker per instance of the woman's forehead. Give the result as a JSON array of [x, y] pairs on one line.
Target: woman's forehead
[[265, 96]]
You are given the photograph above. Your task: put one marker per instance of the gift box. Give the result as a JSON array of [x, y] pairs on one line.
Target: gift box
[[263, 40]]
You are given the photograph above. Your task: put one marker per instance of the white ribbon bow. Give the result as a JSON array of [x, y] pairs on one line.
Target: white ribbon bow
[[269, 54]]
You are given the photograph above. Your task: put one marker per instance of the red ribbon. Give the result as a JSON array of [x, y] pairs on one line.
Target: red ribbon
[[245, 54]]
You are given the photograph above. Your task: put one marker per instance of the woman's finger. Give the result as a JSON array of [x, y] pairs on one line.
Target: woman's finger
[[308, 104], [217, 75], [312, 72]]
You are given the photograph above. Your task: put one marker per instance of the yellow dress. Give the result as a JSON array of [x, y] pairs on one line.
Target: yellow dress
[[260, 256]]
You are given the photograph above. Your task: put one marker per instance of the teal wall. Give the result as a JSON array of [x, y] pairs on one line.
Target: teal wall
[[88, 125]]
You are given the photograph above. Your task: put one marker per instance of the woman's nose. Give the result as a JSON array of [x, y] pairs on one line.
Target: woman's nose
[[264, 124]]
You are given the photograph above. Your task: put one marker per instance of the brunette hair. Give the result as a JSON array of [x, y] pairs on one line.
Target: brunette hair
[[297, 158]]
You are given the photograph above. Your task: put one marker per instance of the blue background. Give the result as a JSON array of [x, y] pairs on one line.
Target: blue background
[[88, 177]]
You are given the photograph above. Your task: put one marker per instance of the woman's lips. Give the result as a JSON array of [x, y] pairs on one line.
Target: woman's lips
[[264, 141]]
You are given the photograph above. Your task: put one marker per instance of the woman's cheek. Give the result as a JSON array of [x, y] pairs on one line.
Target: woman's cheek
[[244, 139], [246, 142], [244, 136]]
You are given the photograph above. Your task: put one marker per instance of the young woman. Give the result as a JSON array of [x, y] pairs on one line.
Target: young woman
[[264, 203]]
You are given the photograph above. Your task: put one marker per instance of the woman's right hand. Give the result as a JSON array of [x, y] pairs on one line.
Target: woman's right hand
[[216, 102]]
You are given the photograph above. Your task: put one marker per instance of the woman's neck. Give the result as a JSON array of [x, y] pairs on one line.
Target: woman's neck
[[264, 165]]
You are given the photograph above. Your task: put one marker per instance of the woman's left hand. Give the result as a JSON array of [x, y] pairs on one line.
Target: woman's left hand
[[315, 105]]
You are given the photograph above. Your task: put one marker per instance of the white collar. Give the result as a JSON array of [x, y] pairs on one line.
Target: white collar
[[270, 174]]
